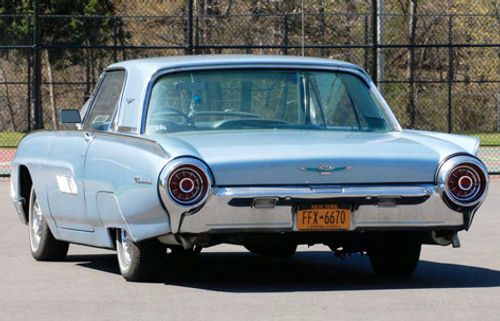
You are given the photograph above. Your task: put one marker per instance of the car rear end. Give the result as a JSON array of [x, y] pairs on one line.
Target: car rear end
[[269, 156]]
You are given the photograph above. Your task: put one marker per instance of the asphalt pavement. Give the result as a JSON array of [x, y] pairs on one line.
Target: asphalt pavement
[[227, 283]]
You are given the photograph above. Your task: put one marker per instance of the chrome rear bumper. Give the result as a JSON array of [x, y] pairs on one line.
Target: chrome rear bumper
[[232, 209]]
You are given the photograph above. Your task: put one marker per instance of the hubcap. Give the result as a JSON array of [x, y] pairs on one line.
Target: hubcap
[[35, 225], [125, 250]]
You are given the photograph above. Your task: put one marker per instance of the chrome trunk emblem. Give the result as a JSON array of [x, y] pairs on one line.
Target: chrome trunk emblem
[[325, 169]]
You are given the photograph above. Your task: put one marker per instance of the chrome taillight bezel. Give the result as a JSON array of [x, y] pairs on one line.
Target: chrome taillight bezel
[[187, 175], [198, 168], [476, 168]]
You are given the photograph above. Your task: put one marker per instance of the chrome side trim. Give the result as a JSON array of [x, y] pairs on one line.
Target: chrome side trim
[[19, 206], [133, 136], [476, 147], [162, 150]]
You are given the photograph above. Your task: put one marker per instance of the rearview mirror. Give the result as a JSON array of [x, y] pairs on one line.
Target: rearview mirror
[[70, 116]]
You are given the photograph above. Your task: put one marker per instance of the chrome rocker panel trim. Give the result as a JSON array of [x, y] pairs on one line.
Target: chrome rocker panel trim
[[19, 206]]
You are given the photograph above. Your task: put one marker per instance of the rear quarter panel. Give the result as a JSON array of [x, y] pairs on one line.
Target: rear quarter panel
[[121, 185], [113, 197], [466, 143], [32, 152]]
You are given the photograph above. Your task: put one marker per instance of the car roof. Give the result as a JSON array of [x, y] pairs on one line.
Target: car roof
[[140, 72], [152, 65]]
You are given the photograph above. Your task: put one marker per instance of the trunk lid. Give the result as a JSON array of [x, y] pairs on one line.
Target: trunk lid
[[288, 157]]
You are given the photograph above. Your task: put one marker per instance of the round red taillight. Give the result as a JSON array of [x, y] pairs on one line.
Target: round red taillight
[[466, 183], [187, 185]]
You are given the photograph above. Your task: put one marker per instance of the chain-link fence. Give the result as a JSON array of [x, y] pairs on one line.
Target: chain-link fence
[[438, 65]]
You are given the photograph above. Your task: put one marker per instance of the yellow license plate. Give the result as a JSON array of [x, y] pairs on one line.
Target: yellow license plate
[[324, 217]]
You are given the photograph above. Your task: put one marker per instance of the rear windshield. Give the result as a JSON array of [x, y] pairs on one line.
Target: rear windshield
[[263, 99]]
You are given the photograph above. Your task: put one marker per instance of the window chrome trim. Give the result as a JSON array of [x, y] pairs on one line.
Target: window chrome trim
[[113, 122], [91, 98], [119, 107]]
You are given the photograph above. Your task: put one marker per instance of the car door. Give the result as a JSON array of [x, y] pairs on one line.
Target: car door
[[65, 185]]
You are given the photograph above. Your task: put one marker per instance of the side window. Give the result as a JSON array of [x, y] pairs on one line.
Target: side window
[[104, 105]]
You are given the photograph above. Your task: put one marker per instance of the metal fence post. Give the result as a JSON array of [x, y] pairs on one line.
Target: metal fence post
[[498, 112], [380, 40], [412, 103], [285, 33], [37, 74], [374, 41], [115, 40], [366, 41], [450, 73], [189, 47], [196, 34], [28, 80]]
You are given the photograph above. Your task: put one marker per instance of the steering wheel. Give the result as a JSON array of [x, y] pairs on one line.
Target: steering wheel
[[158, 123], [187, 119], [166, 126], [252, 123]]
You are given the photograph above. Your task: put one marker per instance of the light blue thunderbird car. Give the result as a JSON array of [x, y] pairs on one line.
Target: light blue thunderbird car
[[267, 152]]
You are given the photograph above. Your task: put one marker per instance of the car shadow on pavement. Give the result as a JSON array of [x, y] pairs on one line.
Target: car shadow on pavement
[[305, 271]]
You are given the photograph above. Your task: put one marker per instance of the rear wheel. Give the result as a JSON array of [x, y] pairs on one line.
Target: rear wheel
[[397, 257], [139, 261], [43, 245]]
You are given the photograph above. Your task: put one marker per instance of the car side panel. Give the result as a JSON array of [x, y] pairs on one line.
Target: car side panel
[[32, 153], [65, 163], [121, 176]]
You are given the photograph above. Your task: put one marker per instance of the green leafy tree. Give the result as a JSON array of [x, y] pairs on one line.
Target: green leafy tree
[[63, 22]]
